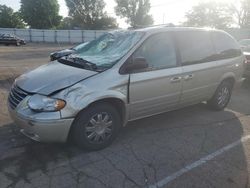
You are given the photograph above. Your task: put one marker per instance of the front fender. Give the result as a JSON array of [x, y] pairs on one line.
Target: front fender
[[78, 98]]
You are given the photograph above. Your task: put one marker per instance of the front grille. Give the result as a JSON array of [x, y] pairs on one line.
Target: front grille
[[16, 96]]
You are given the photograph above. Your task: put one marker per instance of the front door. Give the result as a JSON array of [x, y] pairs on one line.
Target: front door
[[158, 88]]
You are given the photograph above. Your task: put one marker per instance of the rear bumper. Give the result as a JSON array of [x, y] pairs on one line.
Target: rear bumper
[[42, 130]]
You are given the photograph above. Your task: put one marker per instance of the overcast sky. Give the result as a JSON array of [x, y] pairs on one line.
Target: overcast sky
[[163, 11]]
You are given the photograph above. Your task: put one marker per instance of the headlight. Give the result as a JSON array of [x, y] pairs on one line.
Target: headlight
[[42, 103]]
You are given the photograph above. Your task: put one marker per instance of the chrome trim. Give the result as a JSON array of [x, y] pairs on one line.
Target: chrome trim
[[16, 95]]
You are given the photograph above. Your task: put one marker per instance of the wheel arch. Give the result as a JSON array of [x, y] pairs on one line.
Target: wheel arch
[[117, 103], [228, 77]]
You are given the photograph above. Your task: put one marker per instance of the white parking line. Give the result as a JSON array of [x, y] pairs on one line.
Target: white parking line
[[198, 163]]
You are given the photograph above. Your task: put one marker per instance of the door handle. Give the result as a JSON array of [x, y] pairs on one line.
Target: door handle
[[176, 79], [188, 77]]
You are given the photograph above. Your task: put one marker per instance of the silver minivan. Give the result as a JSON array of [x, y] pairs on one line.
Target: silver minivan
[[123, 76]]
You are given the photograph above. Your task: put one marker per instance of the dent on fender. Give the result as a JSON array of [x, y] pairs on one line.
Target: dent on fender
[[79, 97]]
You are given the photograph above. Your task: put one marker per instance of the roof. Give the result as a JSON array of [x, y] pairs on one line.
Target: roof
[[154, 29]]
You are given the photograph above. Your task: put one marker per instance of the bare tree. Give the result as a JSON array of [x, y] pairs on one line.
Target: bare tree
[[242, 13]]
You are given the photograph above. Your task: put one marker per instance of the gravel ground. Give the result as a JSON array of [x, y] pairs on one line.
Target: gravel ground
[[191, 147]]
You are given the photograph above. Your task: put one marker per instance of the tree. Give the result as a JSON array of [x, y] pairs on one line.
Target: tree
[[40, 14], [66, 23], [242, 13], [136, 12], [89, 14], [9, 18], [106, 22], [209, 14]]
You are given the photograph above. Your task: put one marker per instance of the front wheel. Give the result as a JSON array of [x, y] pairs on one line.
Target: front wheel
[[222, 96], [96, 127]]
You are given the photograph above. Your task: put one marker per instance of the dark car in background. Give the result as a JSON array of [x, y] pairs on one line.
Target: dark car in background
[[8, 39], [58, 54], [245, 46]]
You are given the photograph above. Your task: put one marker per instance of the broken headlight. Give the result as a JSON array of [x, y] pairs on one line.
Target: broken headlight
[[43, 103]]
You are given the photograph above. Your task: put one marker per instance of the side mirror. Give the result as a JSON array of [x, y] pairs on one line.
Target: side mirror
[[138, 63]]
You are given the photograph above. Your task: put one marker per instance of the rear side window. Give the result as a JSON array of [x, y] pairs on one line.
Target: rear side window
[[195, 47], [225, 46]]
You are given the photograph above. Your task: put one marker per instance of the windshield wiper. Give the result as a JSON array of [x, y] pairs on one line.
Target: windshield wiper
[[79, 63], [85, 63]]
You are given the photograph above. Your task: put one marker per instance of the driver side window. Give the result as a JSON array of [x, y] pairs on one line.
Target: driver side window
[[158, 51]]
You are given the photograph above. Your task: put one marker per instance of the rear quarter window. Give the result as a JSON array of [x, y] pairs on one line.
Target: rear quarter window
[[195, 47], [226, 47]]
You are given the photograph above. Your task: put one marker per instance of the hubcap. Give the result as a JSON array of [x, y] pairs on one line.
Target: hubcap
[[223, 96], [99, 128]]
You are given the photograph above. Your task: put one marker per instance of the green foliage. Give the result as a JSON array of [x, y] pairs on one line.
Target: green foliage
[[136, 12], [41, 14], [106, 22], [209, 14], [89, 14], [66, 23], [9, 18]]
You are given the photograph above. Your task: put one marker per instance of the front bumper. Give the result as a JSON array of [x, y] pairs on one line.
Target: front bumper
[[41, 127]]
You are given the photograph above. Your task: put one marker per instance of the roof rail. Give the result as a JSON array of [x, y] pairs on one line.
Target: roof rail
[[148, 26]]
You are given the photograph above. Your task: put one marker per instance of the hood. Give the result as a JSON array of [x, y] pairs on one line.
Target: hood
[[52, 77]]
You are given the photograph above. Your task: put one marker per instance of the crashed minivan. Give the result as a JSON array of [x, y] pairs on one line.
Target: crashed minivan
[[124, 76]]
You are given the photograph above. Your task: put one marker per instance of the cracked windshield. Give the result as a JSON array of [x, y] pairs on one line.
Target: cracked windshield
[[124, 93]]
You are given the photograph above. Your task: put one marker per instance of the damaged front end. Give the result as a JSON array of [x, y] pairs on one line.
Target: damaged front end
[[45, 101]]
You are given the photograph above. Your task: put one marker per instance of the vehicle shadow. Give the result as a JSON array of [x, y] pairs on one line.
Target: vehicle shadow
[[153, 147], [241, 103]]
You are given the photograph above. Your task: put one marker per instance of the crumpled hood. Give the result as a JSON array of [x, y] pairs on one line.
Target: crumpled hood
[[52, 77]]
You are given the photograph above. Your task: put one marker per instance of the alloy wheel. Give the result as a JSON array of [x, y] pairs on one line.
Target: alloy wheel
[[99, 128], [223, 96]]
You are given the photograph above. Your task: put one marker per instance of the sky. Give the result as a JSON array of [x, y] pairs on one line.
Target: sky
[[163, 11]]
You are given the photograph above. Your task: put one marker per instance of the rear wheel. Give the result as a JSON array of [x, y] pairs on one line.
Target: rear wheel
[[222, 96], [18, 43], [96, 127]]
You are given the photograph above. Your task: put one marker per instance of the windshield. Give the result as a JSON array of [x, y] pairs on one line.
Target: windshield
[[245, 42], [80, 46], [109, 48]]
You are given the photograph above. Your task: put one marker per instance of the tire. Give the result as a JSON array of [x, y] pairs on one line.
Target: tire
[[222, 96], [96, 127], [18, 44]]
